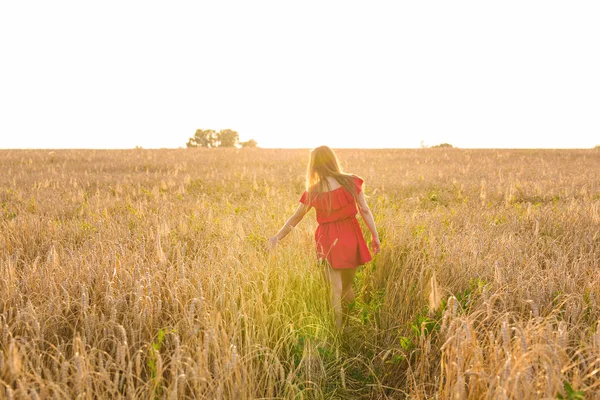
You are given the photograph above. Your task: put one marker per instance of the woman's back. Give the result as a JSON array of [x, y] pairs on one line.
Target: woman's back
[[335, 204]]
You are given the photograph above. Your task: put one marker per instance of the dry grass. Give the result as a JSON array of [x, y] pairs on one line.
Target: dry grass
[[141, 274]]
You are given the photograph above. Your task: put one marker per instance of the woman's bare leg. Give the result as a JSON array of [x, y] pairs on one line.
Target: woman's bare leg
[[334, 276], [347, 291]]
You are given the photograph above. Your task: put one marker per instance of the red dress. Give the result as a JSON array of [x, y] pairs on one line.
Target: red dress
[[339, 238]]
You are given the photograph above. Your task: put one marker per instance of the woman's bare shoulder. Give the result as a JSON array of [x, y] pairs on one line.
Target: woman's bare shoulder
[[321, 187], [353, 176], [333, 183]]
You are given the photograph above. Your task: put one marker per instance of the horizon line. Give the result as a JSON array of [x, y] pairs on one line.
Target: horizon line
[[297, 148]]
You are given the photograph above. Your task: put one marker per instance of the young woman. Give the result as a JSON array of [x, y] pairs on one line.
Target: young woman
[[335, 196]]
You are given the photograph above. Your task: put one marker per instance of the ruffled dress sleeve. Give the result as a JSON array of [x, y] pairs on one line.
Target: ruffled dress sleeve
[[358, 182], [304, 198]]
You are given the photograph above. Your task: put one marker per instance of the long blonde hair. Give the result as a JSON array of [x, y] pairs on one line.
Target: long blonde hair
[[323, 164]]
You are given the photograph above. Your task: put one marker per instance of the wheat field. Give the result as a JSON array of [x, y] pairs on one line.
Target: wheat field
[[142, 274]]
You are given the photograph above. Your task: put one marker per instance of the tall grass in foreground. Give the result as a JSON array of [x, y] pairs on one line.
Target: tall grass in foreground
[[142, 274]]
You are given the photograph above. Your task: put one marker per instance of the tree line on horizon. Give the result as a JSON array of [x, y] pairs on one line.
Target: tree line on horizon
[[210, 138]]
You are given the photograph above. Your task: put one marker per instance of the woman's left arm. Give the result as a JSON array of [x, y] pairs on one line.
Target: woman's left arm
[[289, 225], [367, 215]]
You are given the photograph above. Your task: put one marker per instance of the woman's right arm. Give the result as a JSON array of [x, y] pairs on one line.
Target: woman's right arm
[[292, 221], [367, 215]]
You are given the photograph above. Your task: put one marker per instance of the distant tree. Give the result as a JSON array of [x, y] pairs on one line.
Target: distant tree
[[249, 143], [227, 138], [443, 145], [203, 138], [223, 138]]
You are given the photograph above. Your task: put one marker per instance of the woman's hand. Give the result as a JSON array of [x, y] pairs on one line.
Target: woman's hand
[[271, 243], [375, 244]]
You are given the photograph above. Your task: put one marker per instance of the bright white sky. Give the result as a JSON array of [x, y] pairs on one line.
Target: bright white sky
[[117, 74]]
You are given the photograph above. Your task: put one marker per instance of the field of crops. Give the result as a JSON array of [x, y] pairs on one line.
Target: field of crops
[[143, 274]]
